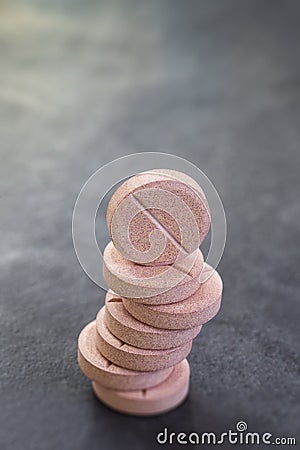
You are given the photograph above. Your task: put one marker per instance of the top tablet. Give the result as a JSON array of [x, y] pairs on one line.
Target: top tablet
[[158, 217]]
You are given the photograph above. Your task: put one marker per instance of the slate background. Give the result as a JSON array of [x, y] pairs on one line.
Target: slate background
[[82, 83]]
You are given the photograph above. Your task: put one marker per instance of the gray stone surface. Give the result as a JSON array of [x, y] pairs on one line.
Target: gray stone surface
[[82, 83]]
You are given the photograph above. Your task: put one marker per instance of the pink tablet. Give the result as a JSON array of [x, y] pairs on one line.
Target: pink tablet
[[153, 285], [99, 369], [135, 358], [158, 216], [131, 331], [196, 310], [159, 399]]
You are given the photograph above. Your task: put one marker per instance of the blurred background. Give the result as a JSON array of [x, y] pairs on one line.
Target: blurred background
[[85, 82]]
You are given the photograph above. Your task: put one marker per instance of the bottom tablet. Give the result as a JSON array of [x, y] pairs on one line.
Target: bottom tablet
[[156, 400]]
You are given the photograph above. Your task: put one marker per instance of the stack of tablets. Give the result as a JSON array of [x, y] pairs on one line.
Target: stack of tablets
[[161, 293]]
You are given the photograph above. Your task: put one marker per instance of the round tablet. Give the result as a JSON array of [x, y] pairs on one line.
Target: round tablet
[[157, 284], [130, 330], [195, 310], [135, 358], [157, 217], [98, 368], [156, 400]]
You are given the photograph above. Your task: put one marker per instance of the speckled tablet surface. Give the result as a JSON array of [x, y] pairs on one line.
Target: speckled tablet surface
[[98, 368], [161, 398], [156, 285], [135, 358], [130, 330], [155, 216], [195, 310]]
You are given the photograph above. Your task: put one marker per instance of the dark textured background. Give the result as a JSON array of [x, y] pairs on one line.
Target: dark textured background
[[84, 82]]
